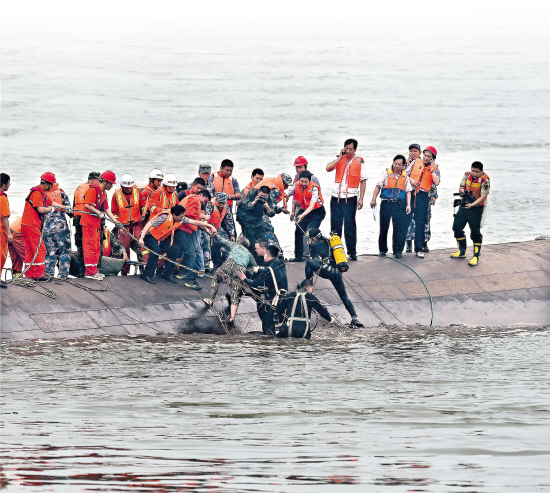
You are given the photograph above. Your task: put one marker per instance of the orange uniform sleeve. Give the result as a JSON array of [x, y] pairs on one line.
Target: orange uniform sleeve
[[193, 209], [4, 206], [114, 205]]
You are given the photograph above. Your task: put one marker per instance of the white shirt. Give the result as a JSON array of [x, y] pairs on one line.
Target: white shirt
[[384, 180], [314, 193], [340, 188]]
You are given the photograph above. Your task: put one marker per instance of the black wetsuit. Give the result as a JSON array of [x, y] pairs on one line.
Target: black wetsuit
[[264, 279], [323, 262], [284, 312]]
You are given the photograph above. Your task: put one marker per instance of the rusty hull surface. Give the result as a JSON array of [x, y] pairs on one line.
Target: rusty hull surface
[[510, 286]]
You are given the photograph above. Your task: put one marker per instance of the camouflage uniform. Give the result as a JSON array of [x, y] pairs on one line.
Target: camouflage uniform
[[57, 240], [427, 230]]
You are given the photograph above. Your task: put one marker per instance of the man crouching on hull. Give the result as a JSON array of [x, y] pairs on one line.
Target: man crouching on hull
[[473, 190], [322, 263], [295, 310]]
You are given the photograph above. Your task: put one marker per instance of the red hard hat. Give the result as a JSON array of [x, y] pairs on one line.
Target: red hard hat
[[432, 149], [300, 161], [109, 176], [49, 177]]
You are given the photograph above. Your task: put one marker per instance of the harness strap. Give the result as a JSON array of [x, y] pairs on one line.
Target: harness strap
[[277, 290], [292, 318]]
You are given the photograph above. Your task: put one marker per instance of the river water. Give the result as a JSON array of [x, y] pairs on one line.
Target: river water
[[440, 411], [128, 88]]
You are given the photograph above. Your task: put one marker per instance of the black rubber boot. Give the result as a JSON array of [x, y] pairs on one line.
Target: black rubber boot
[[461, 248], [475, 258]]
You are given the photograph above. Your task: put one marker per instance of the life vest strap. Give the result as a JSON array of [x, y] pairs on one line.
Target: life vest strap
[[292, 318]]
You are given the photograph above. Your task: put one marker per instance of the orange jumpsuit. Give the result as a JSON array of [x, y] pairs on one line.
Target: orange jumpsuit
[[91, 226], [31, 226], [17, 248], [4, 212]]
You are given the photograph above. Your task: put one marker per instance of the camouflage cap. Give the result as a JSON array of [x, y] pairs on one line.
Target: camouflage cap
[[205, 168], [221, 198], [287, 179]]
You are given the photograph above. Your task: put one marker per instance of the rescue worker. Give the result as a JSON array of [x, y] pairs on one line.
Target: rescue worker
[[477, 183], [295, 309], [260, 249], [423, 174], [16, 248], [256, 177], [347, 194], [57, 235], [158, 236], [238, 260], [300, 164], [274, 280], [78, 207], [250, 214], [6, 237], [187, 237], [126, 205], [37, 205], [217, 211], [97, 206], [414, 153], [164, 197], [277, 185], [307, 195], [395, 205], [322, 263], [222, 182], [205, 172], [197, 185], [155, 180]]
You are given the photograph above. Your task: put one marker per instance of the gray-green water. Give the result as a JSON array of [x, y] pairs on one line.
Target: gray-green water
[[443, 410]]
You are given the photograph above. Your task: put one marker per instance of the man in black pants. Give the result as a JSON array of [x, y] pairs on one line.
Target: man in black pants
[[394, 206], [347, 194], [322, 263], [475, 183], [273, 277], [308, 199]]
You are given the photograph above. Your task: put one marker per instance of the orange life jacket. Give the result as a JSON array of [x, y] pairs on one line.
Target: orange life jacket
[[165, 201], [422, 175], [395, 187], [15, 226], [185, 203], [149, 189], [272, 183], [222, 184], [107, 249], [55, 194], [474, 186], [354, 172], [303, 197], [128, 213], [166, 229], [216, 217], [247, 189], [31, 216], [79, 199]]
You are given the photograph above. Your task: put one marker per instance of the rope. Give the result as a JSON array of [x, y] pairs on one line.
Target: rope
[[26, 282], [160, 257]]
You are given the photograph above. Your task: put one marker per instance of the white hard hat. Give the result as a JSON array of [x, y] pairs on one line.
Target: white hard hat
[[156, 174], [127, 180], [170, 180]]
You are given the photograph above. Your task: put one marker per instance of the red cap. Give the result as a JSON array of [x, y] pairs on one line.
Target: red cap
[[300, 161], [432, 149], [109, 176], [49, 177]]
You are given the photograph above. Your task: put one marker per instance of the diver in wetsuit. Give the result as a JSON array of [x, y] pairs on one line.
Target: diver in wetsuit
[[295, 309], [323, 263]]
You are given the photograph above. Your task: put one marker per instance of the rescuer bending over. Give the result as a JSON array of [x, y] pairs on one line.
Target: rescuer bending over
[[323, 263]]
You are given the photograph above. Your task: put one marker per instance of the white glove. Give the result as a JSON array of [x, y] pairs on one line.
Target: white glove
[[255, 269]]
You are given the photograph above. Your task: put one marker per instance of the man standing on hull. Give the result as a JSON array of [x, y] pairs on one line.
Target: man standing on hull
[[6, 236], [422, 175], [394, 206], [476, 184], [322, 263], [347, 194]]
